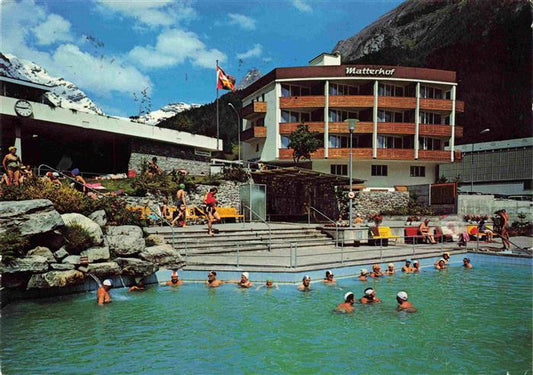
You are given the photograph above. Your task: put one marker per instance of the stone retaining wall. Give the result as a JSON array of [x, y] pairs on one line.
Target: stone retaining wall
[[367, 202]]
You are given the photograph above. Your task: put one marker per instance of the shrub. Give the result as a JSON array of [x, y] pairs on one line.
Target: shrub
[[237, 173], [12, 245], [118, 214], [77, 239]]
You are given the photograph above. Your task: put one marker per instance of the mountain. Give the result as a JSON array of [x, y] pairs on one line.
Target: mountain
[[168, 111], [488, 44], [253, 75], [62, 93]]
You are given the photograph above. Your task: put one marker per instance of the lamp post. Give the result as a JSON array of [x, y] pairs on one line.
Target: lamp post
[[484, 131], [238, 132], [351, 125]]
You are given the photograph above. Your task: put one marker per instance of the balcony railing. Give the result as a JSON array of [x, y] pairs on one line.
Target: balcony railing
[[396, 102], [311, 101], [253, 133], [382, 154], [255, 109], [351, 101]]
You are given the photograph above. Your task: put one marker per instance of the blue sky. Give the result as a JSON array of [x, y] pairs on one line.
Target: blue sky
[[112, 49]]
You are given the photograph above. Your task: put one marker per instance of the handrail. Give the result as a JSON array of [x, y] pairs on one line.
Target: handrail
[[164, 220], [269, 228], [327, 218]]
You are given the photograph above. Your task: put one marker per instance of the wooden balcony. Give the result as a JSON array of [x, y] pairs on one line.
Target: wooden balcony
[[253, 110], [313, 101], [444, 105], [351, 101], [437, 155], [396, 102], [382, 154], [288, 127], [253, 133]]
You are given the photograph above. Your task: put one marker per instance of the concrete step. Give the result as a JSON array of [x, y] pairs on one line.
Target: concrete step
[[260, 246], [225, 240]]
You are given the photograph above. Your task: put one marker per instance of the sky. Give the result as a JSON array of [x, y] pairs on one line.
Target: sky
[[114, 50]]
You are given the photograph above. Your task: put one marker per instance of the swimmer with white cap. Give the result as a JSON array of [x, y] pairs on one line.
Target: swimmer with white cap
[[369, 297], [102, 294], [245, 282], [363, 274], [416, 266], [174, 280], [403, 305], [441, 264], [390, 269], [306, 283], [330, 278], [407, 268], [347, 306]]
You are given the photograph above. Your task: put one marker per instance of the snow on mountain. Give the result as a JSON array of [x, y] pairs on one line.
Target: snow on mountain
[[167, 111], [250, 77], [62, 93]]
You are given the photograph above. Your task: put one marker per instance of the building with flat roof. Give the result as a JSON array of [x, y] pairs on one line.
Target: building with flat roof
[[65, 138], [406, 119]]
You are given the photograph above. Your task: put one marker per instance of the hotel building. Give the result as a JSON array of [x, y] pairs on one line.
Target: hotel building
[[406, 119]]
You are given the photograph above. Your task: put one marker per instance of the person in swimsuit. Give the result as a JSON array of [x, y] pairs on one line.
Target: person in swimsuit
[[440, 264], [466, 263], [80, 182], [11, 164], [363, 274], [407, 268], [330, 278], [210, 201], [306, 284], [376, 271], [153, 168], [416, 265], [180, 215], [102, 294], [347, 306], [503, 224], [403, 305], [390, 269], [369, 297], [212, 281], [174, 280], [423, 228]]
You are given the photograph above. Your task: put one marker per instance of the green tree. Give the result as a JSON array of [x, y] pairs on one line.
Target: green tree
[[303, 142]]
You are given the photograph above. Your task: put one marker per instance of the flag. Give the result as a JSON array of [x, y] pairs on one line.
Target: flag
[[224, 81]]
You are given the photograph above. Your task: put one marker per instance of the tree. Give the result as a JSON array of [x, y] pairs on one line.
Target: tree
[[303, 142]]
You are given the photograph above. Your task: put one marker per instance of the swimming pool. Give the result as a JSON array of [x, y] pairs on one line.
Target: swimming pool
[[469, 321]]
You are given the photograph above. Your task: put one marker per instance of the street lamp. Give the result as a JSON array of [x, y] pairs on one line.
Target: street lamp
[[238, 132], [351, 125], [484, 131]]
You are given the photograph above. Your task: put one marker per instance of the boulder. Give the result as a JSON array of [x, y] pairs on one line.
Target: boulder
[[62, 266], [32, 217], [72, 259], [125, 240], [136, 267], [162, 255], [96, 253], [83, 269], [154, 240], [105, 269], [54, 279], [52, 240], [42, 251], [94, 229], [99, 217], [61, 253], [34, 264]]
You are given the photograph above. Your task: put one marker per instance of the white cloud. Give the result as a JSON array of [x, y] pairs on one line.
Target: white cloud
[[54, 29], [241, 20], [173, 47], [301, 5], [149, 12], [256, 51]]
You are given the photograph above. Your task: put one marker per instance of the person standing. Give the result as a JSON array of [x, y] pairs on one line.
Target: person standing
[[210, 201], [12, 164], [181, 204], [102, 294], [503, 224]]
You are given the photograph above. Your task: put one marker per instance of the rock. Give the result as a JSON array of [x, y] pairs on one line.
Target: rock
[[104, 269], [61, 253], [94, 229], [34, 264], [96, 253], [162, 255], [62, 266], [125, 240], [72, 259], [42, 251], [31, 217], [55, 279], [136, 267], [99, 217], [83, 269], [154, 240]]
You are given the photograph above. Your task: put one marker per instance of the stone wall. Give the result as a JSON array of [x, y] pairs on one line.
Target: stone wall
[[367, 202], [488, 204]]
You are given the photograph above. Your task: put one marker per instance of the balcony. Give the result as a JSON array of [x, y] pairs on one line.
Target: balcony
[[437, 155], [444, 105], [311, 101], [253, 133], [396, 102], [382, 154], [286, 128], [254, 110], [351, 101]]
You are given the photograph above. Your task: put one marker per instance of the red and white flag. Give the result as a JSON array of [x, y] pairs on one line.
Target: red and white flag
[[225, 81]]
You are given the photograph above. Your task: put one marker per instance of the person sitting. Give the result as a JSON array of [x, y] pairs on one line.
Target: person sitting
[[330, 279], [363, 274], [403, 305], [306, 284], [174, 280], [390, 269], [482, 228], [466, 263], [79, 183], [369, 297], [423, 228], [376, 271], [53, 178], [153, 169], [347, 306]]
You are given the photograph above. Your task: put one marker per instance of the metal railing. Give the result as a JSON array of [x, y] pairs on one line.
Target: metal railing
[[327, 218], [264, 221]]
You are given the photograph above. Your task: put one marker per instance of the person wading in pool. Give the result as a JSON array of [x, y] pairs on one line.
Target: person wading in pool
[[390, 269], [244, 282], [102, 295], [407, 268], [330, 278], [376, 271], [441, 264], [466, 263], [416, 265], [347, 306], [306, 283], [269, 285], [369, 297], [403, 305], [174, 280], [212, 281], [363, 274]]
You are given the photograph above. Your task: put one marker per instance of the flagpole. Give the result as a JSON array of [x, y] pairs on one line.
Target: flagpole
[[217, 111]]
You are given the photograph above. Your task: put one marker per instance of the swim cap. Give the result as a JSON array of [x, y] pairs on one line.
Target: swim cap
[[11, 148], [369, 291], [376, 266], [364, 271], [391, 265], [408, 261], [306, 277], [447, 253], [55, 174], [181, 186], [75, 171], [402, 296], [107, 282], [416, 261], [245, 274], [329, 273], [174, 273], [348, 295]]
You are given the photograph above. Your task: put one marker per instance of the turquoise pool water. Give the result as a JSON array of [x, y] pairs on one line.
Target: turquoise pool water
[[469, 321]]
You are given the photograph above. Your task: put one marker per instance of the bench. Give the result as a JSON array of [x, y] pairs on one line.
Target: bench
[[229, 213], [144, 211], [412, 235], [384, 233], [474, 233]]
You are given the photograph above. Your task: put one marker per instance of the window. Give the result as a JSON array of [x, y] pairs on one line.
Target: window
[[379, 170], [291, 90], [430, 118], [337, 89], [430, 92], [290, 116], [339, 116], [340, 141], [418, 171], [385, 89], [339, 169], [388, 141], [389, 116], [425, 143], [285, 141]]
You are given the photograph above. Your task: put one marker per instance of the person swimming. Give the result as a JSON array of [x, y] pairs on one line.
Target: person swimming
[[269, 284], [466, 263], [138, 287], [403, 304], [441, 264], [407, 267], [245, 282], [363, 274], [212, 281], [376, 271], [390, 269], [306, 283], [174, 280], [347, 306], [416, 266], [369, 297], [330, 278], [102, 294]]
